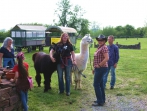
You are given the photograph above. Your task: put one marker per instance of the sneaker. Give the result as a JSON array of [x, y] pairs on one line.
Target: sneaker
[[67, 94], [98, 104], [60, 92], [111, 87], [96, 101]]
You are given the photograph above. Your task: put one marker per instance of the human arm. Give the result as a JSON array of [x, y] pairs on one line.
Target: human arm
[[106, 58], [73, 57], [116, 56], [15, 77], [51, 55], [115, 65], [1, 56]]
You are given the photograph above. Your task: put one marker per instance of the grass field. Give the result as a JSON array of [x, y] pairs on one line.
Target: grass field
[[131, 77]]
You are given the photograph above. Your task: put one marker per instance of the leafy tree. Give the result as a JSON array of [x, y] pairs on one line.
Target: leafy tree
[[108, 31], [139, 32], [120, 31], [82, 26], [4, 34], [63, 11], [94, 31], [145, 30], [72, 17], [129, 29]]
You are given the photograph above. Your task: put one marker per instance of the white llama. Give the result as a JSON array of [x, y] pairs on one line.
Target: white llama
[[81, 60]]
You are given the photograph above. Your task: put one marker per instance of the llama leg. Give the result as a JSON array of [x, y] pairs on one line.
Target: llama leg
[[46, 82], [79, 84], [76, 80], [71, 83], [49, 77], [79, 81], [38, 78]]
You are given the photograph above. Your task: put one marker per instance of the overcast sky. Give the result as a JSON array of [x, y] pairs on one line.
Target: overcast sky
[[103, 12]]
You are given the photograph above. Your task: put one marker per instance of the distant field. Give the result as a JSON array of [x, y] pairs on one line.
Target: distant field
[[131, 80]]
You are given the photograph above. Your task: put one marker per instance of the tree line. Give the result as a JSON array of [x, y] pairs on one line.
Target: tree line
[[127, 31]]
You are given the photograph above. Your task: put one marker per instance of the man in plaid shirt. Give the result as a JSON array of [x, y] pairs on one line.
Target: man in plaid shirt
[[112, 63]]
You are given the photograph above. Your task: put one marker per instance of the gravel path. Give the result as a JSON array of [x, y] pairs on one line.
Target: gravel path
[[118, 103], [122, 103]]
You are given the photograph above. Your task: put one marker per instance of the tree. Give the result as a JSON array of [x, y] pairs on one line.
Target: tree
[[72, 17], [145, 30], [63, 11], [4, 34], [120, 31], [94, 31], [108, 31], [129, 30], [83, 26]]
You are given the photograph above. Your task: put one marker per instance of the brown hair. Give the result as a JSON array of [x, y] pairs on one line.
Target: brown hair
[[61, 41], [21, 68]]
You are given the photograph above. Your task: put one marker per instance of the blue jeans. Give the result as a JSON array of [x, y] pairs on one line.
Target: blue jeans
[[24, 99], [67, 70], [113, 78], [8, 62], [98, 84]]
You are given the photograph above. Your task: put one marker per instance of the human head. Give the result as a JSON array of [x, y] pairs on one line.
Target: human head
[[101, 39], [20, 55], [64, 38], [21, 68], [110, 39], [8, 42]]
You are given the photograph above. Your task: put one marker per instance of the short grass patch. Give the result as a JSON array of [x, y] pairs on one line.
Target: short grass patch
[[131, 79]]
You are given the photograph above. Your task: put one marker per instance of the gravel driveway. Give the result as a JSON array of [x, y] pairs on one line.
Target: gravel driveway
[[118, 103]]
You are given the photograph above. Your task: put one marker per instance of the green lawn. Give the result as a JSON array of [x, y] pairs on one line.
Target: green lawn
[[131, 80]]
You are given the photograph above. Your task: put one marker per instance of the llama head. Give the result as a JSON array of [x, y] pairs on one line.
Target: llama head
[[87, 39]]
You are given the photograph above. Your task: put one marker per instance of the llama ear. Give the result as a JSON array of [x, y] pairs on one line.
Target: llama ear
[[87, 35]]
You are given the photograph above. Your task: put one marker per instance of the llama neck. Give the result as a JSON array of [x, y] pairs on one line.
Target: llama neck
[[84, 50]]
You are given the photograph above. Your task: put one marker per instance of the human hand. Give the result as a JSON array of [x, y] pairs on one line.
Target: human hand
[[53, 59], [115, 65], [11, 80], [74, 62], [92, 71], [97, 66]]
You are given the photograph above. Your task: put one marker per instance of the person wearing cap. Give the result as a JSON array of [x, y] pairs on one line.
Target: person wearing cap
[[7, 53], [21, 79], [100, 68], [67, 55], [112, 63]]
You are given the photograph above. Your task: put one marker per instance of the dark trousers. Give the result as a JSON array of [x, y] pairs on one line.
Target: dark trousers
[[98, 84]]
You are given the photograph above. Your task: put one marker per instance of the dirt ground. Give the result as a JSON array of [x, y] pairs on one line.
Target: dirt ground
[[117, 103]]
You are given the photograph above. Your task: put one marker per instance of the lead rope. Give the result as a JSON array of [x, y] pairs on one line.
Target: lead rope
[[72, 66], [90, 58]]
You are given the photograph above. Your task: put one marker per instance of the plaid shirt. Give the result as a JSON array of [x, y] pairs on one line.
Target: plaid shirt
[[99, 56]]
